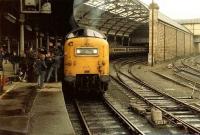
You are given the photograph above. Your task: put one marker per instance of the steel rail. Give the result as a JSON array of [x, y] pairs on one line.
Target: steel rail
[[82, 118], [167, 114], [129, 126], [125, 120], [186, 65], [175, 119], [157, 90]]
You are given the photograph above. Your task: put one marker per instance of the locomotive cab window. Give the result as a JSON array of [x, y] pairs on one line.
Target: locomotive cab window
[[85, 33]]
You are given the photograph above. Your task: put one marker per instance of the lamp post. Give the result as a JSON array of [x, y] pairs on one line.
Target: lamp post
[[21, 44], [152, 40]]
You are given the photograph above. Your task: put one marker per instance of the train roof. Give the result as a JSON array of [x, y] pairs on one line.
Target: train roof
[[85, 32]]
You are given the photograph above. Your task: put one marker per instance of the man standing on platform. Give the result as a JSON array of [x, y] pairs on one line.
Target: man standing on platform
[[1, 69], [41, 67], [14, 61], [1, 59]]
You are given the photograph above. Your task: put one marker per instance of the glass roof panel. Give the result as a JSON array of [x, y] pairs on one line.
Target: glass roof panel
[[128, 7], [125, 14], [121, 4], [89, 4], [107, 7], [135, 15], [113, 11], [94, 3], [138, 19], [116, 13], [119, 10]]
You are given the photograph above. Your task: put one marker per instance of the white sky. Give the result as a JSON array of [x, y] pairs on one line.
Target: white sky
[[178, 9]]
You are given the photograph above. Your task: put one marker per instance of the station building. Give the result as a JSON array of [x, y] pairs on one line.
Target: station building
[[125, 23], [194, 26], [134, 23]]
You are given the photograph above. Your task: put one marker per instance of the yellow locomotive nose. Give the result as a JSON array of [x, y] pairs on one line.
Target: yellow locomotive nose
[[69, 63], [86, 59], [86, 69], [101, 66]]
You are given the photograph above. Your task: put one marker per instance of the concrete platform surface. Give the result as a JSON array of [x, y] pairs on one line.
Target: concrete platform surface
[[48, 114], [15, 104], [14, 125]]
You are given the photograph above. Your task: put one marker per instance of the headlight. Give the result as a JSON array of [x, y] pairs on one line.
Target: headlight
[[87, 51], [78, 51], [95, 51]]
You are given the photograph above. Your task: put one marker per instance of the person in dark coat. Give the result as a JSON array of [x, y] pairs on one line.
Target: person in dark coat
[[41, 67], [1, 69], [15, 61], [23, 70], [6, 56], [54, 67], [49, 62], [1, 60]]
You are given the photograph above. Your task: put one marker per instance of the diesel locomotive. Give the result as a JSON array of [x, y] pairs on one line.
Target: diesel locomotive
[[86, 61]]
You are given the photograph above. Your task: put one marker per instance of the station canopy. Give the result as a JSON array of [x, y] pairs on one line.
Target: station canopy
[[114, 17]]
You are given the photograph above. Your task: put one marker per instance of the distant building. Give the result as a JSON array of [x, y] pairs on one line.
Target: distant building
[[194, 26]]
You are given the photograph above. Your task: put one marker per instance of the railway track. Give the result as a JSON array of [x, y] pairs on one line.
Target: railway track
[[99, 116], [186, 69], [75, 118], [186, 82], [139, 117], [188, 72], [192, 63], [176, 111]]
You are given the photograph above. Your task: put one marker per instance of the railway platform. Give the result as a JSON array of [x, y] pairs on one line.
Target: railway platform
[[27, 110], [8, 71], [49, 115]]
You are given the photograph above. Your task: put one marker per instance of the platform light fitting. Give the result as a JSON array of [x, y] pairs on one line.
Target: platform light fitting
[[28, 27], [10, 17]]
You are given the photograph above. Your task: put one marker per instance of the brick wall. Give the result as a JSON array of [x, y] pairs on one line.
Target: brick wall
[[161, 43], [187, 45], [172, 42], [167, 41], [180, 43], [198, 46]]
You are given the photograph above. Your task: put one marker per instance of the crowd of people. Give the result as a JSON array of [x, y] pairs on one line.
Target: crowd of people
[[47, 65], [41, 65]]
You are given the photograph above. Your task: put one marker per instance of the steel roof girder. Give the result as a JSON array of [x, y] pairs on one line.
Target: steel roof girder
[[95, 8]]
